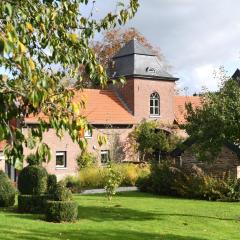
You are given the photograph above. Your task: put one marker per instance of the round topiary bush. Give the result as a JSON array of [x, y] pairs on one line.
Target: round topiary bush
[[7, 191], [33, 180], [61, 211], [62, 193], [52, 183]]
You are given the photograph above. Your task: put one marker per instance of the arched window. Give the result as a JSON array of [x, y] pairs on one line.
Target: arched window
[[154, 104]]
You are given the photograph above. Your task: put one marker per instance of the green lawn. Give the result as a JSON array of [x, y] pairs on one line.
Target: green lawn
[[131, 216]]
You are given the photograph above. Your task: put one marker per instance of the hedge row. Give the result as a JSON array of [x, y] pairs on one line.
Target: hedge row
[[61, 211], [33, 203]]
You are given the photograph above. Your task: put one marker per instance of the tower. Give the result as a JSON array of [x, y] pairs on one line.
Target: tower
[[149, 90]]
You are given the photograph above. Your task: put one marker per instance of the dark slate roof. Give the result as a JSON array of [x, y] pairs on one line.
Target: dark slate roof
[[190, 141], [133, 47], [236, 75], [135, 60]]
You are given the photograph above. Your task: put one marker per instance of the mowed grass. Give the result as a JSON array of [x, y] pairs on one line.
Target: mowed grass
[[131, 216]]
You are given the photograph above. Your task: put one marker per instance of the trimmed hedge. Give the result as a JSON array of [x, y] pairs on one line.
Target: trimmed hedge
[[61, 211], [33, 180], [51, 183], [62, 193], [33, 203], [7, 191]]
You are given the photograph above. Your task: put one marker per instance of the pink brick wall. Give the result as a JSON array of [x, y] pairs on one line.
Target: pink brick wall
[[73, 150], [143, 88]]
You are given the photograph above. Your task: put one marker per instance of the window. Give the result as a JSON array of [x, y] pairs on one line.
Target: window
[[88, 133], [104, 157], [61, 159], [154, 104]]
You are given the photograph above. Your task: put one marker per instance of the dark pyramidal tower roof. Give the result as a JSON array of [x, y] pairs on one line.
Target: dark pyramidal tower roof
[[135, 60]]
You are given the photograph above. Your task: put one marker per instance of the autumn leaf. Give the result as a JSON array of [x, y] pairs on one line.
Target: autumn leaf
[[29, 27]]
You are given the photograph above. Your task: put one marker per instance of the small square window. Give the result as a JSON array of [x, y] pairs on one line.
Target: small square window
[[88, 133], [104, 157], [61, 159]]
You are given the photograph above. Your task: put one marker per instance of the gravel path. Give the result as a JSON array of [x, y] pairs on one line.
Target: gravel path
[[120, 189]]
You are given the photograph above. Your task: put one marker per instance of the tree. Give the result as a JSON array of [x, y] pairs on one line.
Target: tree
[[111, 42], [216, 122], [151, 136], [42, 42]]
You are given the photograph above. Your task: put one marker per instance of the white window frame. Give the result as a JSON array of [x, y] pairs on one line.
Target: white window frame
[[61, 153], [154, 104], [88, 133], [105, 152]]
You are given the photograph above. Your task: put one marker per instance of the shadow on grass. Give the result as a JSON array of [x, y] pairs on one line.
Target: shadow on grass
[[51, 234], [101, 214]]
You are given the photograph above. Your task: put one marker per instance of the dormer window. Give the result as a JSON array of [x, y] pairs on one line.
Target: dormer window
[[154, 104]]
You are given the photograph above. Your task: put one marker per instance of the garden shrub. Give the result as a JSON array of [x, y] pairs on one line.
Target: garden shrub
[[131, 172], [32, 159], [33, 180], [166, 179], [7, 191], [93, 177], [62, 193], [73, 183], [61, 211], [51, 183], [144, 184], [33, 203], [86, 159], [163, 178]]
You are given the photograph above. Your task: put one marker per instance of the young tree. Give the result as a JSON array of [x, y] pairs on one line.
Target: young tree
[[42, 42], [150, 136], [216, 122], [112, 41]]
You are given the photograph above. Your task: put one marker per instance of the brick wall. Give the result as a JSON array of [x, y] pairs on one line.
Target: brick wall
[[136, 94], [227, 162], [143, 88], [73, 150]]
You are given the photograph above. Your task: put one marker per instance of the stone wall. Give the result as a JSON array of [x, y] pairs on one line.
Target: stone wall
[[226, 163]]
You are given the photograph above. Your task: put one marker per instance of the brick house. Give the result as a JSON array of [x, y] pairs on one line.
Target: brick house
[[149, 93]]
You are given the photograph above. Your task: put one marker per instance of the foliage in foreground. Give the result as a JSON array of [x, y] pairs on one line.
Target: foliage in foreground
[[96, 177], [7, 191], [43, 42], [167, 179]]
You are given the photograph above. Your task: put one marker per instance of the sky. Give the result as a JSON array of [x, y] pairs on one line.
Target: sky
[[195, 36]]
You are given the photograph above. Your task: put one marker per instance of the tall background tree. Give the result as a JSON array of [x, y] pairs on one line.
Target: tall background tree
[[216, 122], [112, 41], [41, 43]]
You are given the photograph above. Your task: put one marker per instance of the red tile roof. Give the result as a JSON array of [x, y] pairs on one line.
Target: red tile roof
[[101, 107], [179, 106]]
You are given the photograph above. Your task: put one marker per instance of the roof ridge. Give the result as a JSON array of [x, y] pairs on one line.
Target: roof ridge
[[134, 47]]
